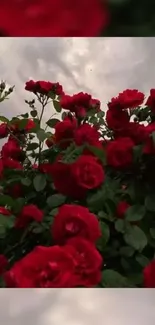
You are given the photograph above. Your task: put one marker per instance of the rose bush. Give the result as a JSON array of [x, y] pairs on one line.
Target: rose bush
[[77, 196]]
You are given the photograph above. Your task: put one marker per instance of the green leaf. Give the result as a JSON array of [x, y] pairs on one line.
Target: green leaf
[[142, 260], [113, 279], [26, 181], [34, 113], [7, 221], [4, 119], [42, 135], [152, 232], [120, 225], [22, 123], [105, 236], [6, 200], [137, 152], [26, 115], [52, 122], [55, 200], [95, 201], [64, 114], [57, 106], [32, 146], [136, 238], [135, 213], [126, 251], [100, 154], [150, 203], [39, 182]]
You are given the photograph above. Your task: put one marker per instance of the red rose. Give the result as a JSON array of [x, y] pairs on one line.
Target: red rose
[[95, 103], [117, 120], [63, 179], [86, 134], [79, 103], [137, 132], [121, 209], [3, 263], [30, 125], [75, 220], [88, 262], [44, 87], [129, 98], [29, 213], [87, 172], [69, 18], [11, 149], [151, 100], [149, 275], [4, 131], [120, 152], [43, 267], [5, 211], [12, 164], [64, 132]]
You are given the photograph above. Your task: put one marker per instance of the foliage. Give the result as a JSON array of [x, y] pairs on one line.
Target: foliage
[[77, 197]]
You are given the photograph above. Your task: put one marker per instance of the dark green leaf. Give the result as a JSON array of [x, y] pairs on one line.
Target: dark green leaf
[[105, 235], [42, 135], [22, 123], [142, 260], [52, 122], [34, 113], [120, 226], [113, 279], [135, 213], [26, 181], [55, 200], [127, 251], [4, 119], [26, 115], [152, 232], [100, 154], [57, 106], [32, 146], [6, 200], [150, 203], [39, 182], [136, 238]]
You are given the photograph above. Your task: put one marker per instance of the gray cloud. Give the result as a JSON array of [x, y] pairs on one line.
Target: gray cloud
[[101, 66], [77, 306]]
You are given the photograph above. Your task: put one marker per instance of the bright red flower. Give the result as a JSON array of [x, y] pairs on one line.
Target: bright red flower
[[69, 18], [43, 267], [79, 103], [29, 213], [50, 141], [121, 209], [30, 125], [129, 98], [88, 262], [75, 220], [87, 172], [149, 275], [120, 152], [64, 132], [4, 131], [44, 87], [12, 164], [86, 134], [63, 179], [117, 120], [11, 149]]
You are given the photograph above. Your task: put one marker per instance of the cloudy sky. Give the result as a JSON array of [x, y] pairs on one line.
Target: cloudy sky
[[77, 307], [100, 66]]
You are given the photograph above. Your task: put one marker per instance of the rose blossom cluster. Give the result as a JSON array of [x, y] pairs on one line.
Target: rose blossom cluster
[[73, 259]]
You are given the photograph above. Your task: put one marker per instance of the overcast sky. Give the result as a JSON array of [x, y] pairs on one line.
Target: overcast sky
[[100, 66], [77, 307]]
